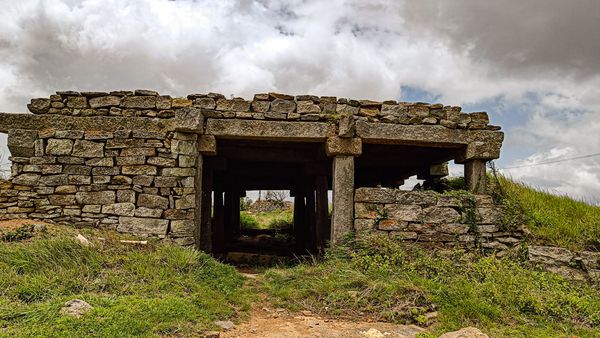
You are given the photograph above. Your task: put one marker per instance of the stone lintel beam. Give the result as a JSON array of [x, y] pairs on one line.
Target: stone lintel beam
[[270, 130], [427, 136], [10, 121], [207, 145], [343, 146], [479, 150], [475, 176], [342, 218]]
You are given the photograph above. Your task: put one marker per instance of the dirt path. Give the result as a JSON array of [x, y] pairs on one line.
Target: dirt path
[[278, 323]]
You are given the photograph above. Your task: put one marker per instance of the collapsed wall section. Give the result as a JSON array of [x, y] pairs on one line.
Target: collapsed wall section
[[434, 219]]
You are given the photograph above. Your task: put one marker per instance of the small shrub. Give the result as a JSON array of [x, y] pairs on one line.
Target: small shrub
[[19, 234], [248, 221]]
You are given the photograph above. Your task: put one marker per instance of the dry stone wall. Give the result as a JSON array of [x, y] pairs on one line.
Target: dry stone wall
[[271, 106], [434, 219], [134, 181]]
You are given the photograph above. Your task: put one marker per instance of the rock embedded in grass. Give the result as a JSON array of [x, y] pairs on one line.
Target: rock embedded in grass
[[76, 308]]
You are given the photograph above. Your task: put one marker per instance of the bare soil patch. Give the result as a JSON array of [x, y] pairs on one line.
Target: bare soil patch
[[278, 323]]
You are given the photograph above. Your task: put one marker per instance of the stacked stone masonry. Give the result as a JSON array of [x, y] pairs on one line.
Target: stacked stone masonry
[[271, 106], [434, 219], [134, 181], [133, 160]]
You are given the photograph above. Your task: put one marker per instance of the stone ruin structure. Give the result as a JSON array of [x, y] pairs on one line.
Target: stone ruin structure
[[175, 168]]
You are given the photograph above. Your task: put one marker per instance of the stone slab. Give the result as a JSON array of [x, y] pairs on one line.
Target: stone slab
[[269, 130]]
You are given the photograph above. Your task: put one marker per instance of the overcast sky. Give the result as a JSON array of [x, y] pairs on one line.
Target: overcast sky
[[534, 65]]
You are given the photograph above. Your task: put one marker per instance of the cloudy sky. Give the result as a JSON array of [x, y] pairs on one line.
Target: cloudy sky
[[534, 65]]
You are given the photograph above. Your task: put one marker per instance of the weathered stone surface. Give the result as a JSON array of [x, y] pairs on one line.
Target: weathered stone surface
[[139, 170], [347, 126], [549, 254], [21, 142], [39, 106], [368, 210], [186, 202], [343, 197], [76, 308], [53, 180], [147, 212], [180, 102], [119, 209], [143, 226], [261, 106], [95, 197], [283, 106], [70, 134], [205, 102], [307, 107], [62, 199], [375, 195], [165, 182], [343, 146], [440, 215], [266, 130], [207, 145], [105, 101], [178, 172], [407, 213], [26, 179], [182, 227], [84, 148], [152, 201]]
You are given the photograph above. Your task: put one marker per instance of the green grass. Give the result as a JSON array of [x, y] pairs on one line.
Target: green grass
[[380, 279], [555, 220], [155, 290], [278, 219]]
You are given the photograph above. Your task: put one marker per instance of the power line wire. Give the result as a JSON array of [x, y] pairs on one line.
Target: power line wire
[[552, 161]]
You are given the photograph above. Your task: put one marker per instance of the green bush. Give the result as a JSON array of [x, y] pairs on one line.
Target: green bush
[[248, 221]]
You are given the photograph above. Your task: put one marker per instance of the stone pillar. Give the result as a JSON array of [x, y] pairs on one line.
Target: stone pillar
[[322, 222], [206, 205], [299, 221], [475, 176], [342, 219], [310, 221]]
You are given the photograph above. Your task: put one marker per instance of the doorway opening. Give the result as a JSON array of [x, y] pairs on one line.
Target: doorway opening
[[266, 198]]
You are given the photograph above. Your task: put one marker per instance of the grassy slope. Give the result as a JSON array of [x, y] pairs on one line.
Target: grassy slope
[[267, 220], [383, 280], [136, 291], [556, 220]]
